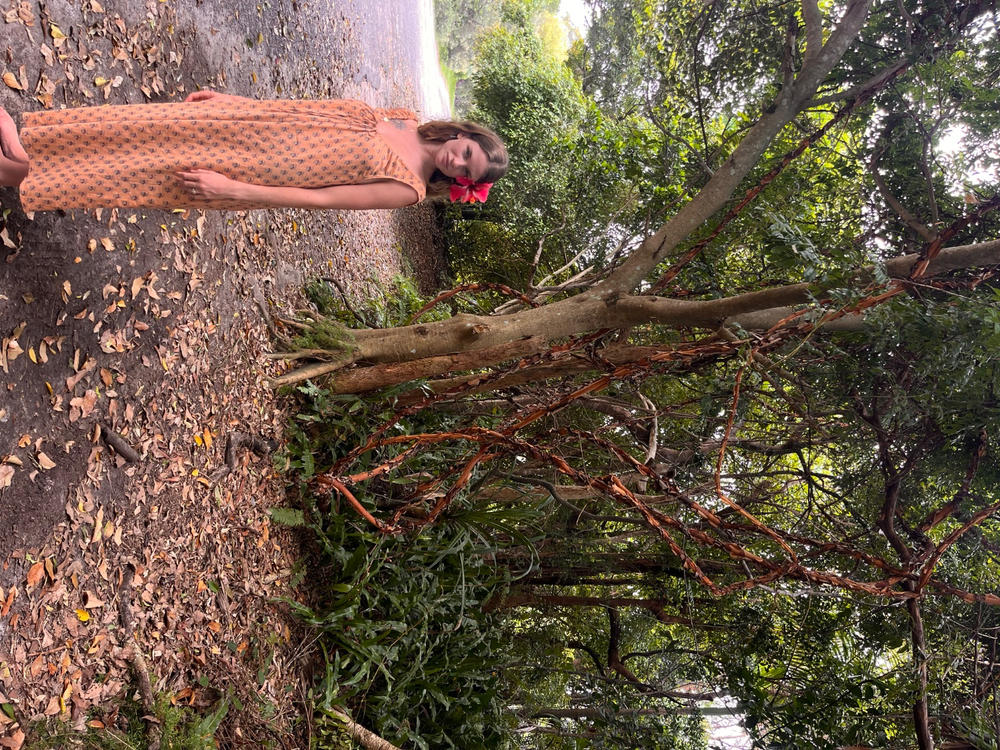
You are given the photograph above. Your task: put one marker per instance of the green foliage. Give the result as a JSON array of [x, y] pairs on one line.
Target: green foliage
[[604, 150], [458, 23], [385, 305], [408, 647], [409, 652]]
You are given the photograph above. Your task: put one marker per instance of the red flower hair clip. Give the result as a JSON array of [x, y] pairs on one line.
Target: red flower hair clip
[[464, 190]]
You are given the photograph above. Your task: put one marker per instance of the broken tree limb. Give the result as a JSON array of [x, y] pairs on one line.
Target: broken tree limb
[[118, 444]]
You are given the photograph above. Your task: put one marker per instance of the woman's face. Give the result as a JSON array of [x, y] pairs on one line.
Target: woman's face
[[462, 157]]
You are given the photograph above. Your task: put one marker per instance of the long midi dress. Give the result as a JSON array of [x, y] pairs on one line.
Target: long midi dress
[[128, 155]]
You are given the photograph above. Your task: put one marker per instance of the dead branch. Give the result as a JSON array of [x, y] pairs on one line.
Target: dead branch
[[366, 738], [118, 444]]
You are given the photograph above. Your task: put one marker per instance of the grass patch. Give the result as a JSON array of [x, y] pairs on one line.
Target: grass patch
[[123, 728]]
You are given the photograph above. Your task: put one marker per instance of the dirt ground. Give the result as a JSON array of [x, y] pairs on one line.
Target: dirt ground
[[151, 325]]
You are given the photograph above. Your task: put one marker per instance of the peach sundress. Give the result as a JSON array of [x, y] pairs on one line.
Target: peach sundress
[[128, 155]]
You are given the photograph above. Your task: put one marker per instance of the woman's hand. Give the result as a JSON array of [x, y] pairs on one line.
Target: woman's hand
[[203, 96], [207, 185]]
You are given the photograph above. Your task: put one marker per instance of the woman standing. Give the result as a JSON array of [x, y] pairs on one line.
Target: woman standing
[[215, 151]]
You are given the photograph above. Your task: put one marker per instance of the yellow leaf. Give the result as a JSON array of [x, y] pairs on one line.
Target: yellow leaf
[[56, 32], [101, 81], [82, 615], [11, 80], [31, 354]]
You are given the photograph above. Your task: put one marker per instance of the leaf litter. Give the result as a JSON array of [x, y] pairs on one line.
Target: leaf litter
[[167, 351]]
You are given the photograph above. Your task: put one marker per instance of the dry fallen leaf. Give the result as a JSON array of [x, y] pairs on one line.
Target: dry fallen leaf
[[45, 462], [14, 742], [14, 350], [6, 475], [11, 80], [36, 574], [85, 403]]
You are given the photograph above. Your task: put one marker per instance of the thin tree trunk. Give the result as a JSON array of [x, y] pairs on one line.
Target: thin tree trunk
[[654, 606]]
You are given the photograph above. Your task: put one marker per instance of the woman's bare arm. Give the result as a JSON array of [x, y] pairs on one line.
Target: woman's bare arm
[[211, 185]]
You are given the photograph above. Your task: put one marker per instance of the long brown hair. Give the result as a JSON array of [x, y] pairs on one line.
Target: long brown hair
[[445, 130]]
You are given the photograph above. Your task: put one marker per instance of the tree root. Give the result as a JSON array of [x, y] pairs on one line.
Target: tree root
[[239, 440]]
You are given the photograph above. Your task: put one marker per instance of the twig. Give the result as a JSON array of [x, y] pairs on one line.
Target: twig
[[343, 298]]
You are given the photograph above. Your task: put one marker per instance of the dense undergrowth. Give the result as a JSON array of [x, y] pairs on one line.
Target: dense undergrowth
[[407, 649]]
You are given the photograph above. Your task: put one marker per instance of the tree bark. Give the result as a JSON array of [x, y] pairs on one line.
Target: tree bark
[[479, 341], [362, 379]]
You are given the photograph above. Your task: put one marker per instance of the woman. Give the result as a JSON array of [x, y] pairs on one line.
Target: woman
[[228, 152]]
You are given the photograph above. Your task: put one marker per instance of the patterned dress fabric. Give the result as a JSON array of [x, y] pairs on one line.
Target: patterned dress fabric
[[128, 156]]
